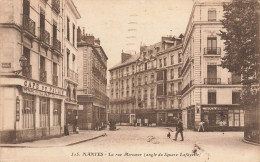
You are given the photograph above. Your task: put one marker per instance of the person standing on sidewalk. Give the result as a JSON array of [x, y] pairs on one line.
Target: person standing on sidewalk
[[179, 129]]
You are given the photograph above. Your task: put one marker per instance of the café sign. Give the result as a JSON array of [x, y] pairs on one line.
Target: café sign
[[214, 108], [43, 90]]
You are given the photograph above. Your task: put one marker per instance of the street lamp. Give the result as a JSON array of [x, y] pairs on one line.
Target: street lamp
[[23, 62]]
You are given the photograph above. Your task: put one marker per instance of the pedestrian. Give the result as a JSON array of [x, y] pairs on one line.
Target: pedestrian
[[179, 129], [201, 127]]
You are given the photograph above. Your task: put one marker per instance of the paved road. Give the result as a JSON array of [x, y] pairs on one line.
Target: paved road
[[145, 144]]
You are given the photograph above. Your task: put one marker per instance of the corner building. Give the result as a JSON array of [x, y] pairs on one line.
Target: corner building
[[32, 90], [209, 92]]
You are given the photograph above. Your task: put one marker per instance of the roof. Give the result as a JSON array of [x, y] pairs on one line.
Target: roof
[[132, 59]]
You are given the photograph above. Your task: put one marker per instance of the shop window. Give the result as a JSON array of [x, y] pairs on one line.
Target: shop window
[[28, 111], [44, 112], [235, 97], [212, 15], [212, 98], [234, 118], [56, 112]]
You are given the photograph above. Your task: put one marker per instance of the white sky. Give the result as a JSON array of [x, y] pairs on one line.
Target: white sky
[[109, 21]]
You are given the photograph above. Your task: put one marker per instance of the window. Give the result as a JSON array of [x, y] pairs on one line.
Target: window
[[133, 68], [43, 73], [235, 97], [152, 78], [212, 98], [235, 118], [159, 75], [172, 104], [68, 29], [139, 80], [172, 73], [56, 112], [26, 8], [179, 72], [160, 104], [172, 87], [73, 38], [160, 62], [211, 45], [179, 58], [145, 66], [145, 79], [133, 82], [55, 74], [160, 89], [42, 25], [212, 15], [44, 112], [172, 60], [127, 69], [28, 111], [164, 61]]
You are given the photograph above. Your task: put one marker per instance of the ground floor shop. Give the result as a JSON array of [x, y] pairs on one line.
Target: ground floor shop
[[168, 117], [215, 117], [30, 111], [92, 113], [71, 116]]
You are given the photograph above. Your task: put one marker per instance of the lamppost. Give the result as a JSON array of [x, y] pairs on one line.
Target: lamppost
[[23, 62]]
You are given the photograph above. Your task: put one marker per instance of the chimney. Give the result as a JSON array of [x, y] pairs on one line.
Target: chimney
[[125, 56], [78, 34], [97, 41], [90, 39]]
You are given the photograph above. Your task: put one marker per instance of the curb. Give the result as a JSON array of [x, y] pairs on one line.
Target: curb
[[248, 142], [71, 144]]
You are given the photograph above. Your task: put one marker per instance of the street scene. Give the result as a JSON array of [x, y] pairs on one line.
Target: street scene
[[130, 80]]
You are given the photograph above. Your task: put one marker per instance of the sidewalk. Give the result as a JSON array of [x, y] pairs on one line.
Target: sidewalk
[[72, 139]]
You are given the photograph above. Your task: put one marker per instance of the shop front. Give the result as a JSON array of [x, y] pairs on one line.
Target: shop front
[[223, 118], [168, 117], [71, 122], [32, 109], [145, 117]]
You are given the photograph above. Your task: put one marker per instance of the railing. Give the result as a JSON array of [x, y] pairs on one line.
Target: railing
[[170, 93], [56, 44], [55, 80], [72, 75], [212, 81], [234, 81], [56, 5], [27, 71], [185, 65], [28, 24], [212, 51], [45, 36], [43, 75]]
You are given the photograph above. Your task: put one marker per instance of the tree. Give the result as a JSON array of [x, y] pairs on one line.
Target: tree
[[242, 45]]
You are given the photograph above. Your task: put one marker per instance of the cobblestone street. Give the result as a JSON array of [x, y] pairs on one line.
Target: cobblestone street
[[142, 144]]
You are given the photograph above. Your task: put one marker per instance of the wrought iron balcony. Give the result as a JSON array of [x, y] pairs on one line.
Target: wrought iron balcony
[[72, 75], [171, 93], [43, 75], [56, 44], [212, 51], [212, 81], [234, 81], [28, 24], [55, 80], [27, 71], [56, 5], [45, 36]]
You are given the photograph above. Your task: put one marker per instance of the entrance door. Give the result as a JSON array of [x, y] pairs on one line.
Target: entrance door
[[212, 119]]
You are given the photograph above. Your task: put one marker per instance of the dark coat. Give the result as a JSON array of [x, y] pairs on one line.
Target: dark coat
[[180, 126]]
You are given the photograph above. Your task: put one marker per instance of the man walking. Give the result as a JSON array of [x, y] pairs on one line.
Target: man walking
[[179, 129]]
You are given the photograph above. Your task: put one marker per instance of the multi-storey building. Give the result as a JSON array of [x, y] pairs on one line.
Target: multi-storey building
[[32, 88], [70, 68], [122, 90], [210, 93], [169, 81], [92, 98]]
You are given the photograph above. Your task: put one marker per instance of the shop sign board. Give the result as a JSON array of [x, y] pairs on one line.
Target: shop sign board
[[214, 108]]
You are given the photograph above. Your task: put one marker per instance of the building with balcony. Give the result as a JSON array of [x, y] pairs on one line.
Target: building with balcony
[[70, 68], [32, 91], [209, 92], [122, 103], [91, 92], [169, 63]]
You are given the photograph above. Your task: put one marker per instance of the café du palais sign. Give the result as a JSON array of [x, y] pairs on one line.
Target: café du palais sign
[[36, 88]]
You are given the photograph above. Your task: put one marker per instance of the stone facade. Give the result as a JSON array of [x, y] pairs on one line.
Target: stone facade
[[32, 91]]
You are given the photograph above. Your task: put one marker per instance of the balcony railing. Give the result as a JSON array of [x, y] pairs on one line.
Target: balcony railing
[[43, 75], [212, 51], [234, 81], [56, 5], [45, 36], [29, 24], [170, 93], [56, 44], [212, 81], [27, 71], [55, 80], [72, 75]]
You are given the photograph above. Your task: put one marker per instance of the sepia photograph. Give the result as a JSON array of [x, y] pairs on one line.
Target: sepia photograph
[[130, 80]]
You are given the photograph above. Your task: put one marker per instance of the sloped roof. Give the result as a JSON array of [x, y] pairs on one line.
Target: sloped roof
[[132, 59]]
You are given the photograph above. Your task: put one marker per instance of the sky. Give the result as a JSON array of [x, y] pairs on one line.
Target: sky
[[125, 24]]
